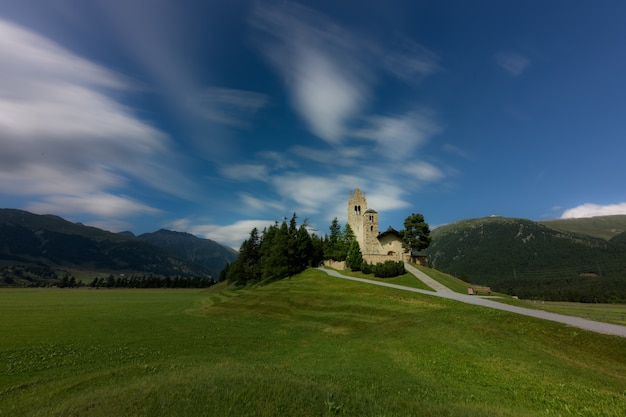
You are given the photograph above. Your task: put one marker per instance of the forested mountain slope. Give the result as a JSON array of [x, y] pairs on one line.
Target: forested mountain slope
[[32, 246], [532, 260], [204, 252]]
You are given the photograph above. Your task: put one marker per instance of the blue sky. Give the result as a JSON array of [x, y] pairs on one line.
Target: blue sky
[[214, 117]]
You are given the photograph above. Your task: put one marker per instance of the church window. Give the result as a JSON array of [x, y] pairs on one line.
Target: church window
[[371, 228]]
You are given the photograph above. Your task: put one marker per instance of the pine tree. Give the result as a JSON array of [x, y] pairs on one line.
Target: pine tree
[[317, 250], [335, 246], [275, 253], [249, 258], [354, 259], [304, 249]]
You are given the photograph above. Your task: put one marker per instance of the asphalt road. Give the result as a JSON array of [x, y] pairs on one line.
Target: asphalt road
[[444, 292]]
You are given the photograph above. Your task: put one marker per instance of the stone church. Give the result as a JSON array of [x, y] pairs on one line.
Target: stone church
[[375, 247]]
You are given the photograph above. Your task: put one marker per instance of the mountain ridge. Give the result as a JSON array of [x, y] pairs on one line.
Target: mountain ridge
[[35, 246]]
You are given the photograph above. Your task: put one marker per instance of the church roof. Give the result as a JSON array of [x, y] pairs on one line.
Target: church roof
[[390, 231], [371, 211]]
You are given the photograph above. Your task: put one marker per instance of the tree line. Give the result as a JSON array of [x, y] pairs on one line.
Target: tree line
[[151, 281]]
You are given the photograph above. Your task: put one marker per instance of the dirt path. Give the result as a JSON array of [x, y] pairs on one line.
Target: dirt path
[[444, 292]]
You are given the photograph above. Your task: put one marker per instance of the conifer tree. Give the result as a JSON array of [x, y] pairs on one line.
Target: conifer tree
[[249, 258], [304, 249], [275, 257], [335, 246], [317, 250], [354, 259]]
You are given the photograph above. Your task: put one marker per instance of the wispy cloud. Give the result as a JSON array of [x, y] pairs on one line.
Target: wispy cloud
[[385, 196], [330, 74], [245, 172], [260, 205], [311, 192], [232, 234], [398, 136], [316, 58], [455, 150], [338, 155], [423, 171], [513, 63], [330, 71], [100, 204], [412, 62], [64, 139], [592, 210], [228, 106]]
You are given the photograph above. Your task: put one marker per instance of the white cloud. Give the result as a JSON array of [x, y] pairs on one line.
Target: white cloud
[[319, 64], [592, 210], [257, 204], [66, 141], [399, 135], [326, 96], [100, 204], [232, 235], [423, 171], [330, 71], [512, 63], [386, 197], [312, 193]]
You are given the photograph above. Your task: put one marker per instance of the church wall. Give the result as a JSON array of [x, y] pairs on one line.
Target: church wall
[[339, 265]]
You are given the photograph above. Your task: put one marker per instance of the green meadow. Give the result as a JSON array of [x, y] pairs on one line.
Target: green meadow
[[311, 345]]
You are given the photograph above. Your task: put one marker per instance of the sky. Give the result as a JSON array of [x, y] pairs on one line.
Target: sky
[[213, 117]]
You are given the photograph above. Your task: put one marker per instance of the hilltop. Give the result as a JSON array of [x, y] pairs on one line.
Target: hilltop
[[604, 227]]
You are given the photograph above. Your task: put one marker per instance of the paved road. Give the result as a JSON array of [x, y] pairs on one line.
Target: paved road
[[444, 292]]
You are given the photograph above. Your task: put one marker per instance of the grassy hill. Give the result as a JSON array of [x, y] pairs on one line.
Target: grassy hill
[[603, 227], [307, 346], [532, 260]]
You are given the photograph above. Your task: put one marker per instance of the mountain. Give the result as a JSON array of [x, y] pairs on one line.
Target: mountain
[[34, 246], [209, 254], [604, 227], [548, 260]]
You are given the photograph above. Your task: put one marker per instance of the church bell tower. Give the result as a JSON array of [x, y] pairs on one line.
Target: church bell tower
[[357, 206]]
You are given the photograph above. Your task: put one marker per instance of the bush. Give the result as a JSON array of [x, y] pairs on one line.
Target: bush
[[366, 268], [388, 269]]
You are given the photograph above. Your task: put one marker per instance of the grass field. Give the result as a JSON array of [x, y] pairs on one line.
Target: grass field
[[610, 313], [307, 346]]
